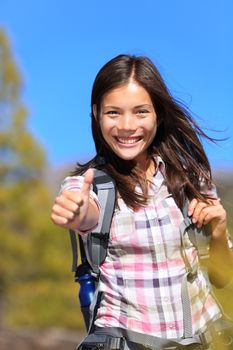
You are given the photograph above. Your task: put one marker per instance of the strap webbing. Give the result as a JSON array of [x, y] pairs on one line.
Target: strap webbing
[[149, 340], [99, 238], [74, 247], [187, 312], [190, 273]]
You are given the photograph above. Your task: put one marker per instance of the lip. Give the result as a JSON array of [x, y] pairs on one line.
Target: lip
[[128, 141]]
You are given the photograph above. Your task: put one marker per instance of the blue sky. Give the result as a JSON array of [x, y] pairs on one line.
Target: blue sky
[[60, 45]]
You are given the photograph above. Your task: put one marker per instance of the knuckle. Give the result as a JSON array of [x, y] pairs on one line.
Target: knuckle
[[75, 208], [55, 208], [58, 199], [71, 215]]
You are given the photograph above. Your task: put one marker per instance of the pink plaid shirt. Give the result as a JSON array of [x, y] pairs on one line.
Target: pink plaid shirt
[[142, 274]]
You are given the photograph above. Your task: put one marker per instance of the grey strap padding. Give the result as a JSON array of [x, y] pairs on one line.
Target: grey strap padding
[[95, 244], [200, 237], [97, 241]]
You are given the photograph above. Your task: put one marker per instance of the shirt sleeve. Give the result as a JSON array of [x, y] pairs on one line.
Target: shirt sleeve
[[74, 183], [210, 191]]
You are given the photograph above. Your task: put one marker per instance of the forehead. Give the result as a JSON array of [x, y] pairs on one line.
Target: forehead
[[129, 93]]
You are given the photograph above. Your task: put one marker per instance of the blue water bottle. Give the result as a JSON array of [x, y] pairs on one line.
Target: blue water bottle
[[87, 289]]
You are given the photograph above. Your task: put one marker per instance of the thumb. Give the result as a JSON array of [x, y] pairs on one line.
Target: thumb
[[87, 182]]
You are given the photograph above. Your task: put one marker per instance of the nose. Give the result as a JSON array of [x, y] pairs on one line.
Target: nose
[[127, 122]]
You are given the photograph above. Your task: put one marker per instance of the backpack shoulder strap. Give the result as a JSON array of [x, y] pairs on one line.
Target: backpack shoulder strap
[[97, 241], [200, 237], [95, 244]]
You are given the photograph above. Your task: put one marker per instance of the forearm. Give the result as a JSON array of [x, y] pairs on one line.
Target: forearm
[[220, 264]]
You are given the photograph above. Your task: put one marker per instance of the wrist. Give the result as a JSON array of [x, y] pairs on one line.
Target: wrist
[[219, 245]]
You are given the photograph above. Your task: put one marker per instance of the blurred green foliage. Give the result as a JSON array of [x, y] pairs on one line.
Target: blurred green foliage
[[36, 284]]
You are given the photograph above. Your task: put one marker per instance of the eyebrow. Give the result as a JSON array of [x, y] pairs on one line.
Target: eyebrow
[[114, 107], [139, 106], [144, 105]]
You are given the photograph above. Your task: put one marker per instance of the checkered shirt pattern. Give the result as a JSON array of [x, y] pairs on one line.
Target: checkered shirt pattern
[[143, 271]]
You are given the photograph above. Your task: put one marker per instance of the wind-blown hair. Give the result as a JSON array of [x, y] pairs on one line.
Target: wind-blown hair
[[176, 140]]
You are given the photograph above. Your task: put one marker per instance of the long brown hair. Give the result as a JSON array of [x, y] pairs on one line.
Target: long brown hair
[[176, 140]]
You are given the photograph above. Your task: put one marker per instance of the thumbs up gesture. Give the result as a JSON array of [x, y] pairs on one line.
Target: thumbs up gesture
[[74, 209]]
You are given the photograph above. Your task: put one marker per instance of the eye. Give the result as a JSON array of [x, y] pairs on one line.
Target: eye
[[142, 112], [112, 113]]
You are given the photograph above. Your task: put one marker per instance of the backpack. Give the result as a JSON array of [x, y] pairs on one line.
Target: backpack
[[93, 249]]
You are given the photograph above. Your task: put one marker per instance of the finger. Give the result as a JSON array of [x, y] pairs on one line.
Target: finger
[[87, 182], [192, 206], [196, 217], [74, 196], [69, 200], [58, 220], [211, 212], [204, 217], [215, 213], [63, 212], [214, 201], [208, 218]]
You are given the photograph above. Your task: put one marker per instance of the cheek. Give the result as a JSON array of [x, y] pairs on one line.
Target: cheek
[[106, 126], [151, 128]]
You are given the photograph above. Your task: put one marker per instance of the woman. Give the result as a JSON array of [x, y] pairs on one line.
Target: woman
[[150, 145]]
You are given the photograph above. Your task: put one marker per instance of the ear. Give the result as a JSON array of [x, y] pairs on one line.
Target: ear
[[94, 110]]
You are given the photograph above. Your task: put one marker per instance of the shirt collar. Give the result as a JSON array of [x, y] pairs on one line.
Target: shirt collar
[[160, 165]]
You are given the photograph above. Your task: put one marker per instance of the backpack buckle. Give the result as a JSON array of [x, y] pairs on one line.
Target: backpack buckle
[[115, 343], [100, 235]]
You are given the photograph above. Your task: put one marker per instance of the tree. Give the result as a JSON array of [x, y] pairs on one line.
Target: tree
[[34, 265], [21, 165]]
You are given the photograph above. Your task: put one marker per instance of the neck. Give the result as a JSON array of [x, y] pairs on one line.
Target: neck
[[148, 167], [150, 171]]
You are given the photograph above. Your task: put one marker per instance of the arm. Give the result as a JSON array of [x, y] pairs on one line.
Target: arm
[[220, 264], [74, 209]]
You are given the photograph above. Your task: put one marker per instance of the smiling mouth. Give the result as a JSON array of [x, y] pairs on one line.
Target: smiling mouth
[[128, 140]]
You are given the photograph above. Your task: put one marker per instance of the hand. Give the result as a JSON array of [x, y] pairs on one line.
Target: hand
[[71, 206], [211, 212]]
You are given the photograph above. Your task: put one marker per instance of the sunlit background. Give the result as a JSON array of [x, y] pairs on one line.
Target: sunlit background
[[50, 52]]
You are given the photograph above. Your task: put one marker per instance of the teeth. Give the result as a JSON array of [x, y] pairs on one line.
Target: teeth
[[128, 141]]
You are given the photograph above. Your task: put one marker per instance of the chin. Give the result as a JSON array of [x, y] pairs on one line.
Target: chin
[[127, 157]]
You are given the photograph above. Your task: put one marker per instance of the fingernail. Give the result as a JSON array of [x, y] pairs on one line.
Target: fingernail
[[194, 220]]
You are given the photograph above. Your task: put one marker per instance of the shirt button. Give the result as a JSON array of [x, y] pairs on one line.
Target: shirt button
[[166, 299], [172, 326]]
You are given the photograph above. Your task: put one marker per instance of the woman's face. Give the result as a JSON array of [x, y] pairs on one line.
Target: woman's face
[[128, 121]]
